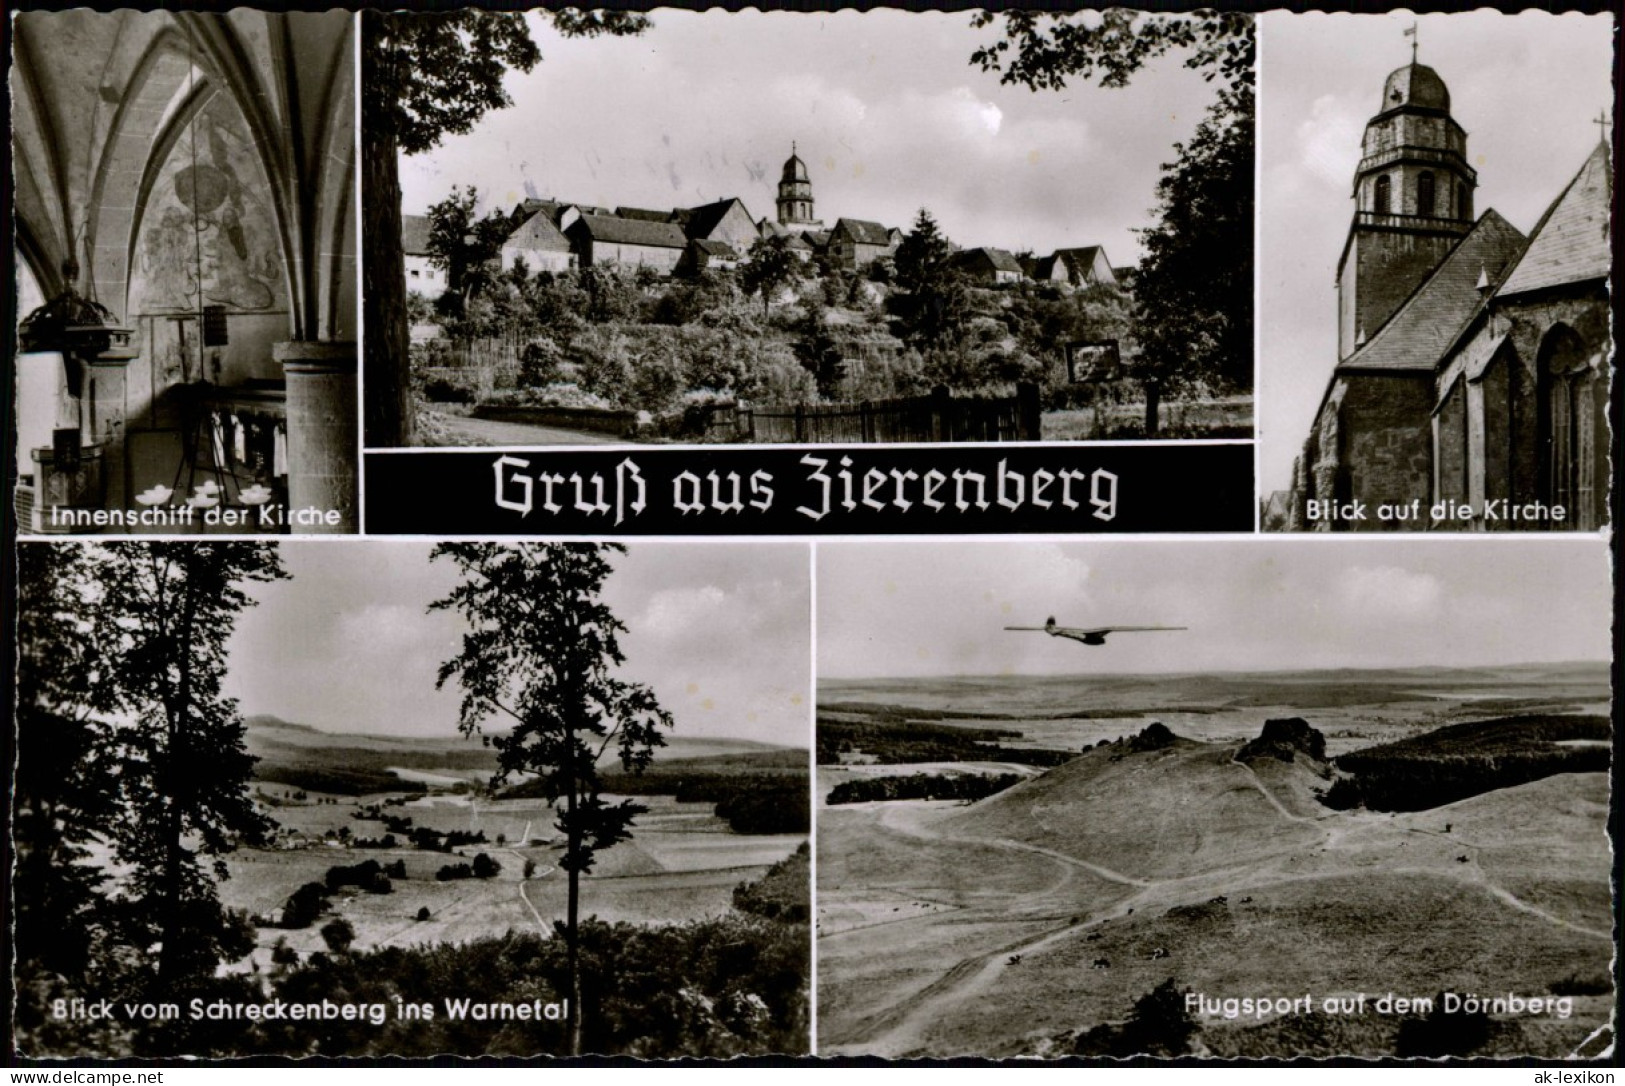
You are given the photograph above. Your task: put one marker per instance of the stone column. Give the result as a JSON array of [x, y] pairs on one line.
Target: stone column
[[323, 445], [105, 407]]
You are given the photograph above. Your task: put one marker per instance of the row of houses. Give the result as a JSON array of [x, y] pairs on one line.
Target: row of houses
[[555, 236]]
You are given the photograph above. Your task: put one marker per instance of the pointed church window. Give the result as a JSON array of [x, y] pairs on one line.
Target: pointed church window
[[1572, 475]]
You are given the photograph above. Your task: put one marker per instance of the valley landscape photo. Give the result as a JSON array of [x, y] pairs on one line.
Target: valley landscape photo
[[355, 854], [1356, 806]]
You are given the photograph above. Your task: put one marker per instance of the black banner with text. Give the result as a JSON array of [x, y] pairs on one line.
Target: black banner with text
[[813, 490]]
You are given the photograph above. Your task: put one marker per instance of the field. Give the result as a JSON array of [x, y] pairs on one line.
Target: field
[[683, 862], [1008, 926]]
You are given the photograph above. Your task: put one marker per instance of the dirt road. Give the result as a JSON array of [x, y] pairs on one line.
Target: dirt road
[[481, 433]]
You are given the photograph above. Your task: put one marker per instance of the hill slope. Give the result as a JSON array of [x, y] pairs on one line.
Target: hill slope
[[1175, 811]]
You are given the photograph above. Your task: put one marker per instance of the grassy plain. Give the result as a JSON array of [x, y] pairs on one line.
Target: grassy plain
[[683, 862]]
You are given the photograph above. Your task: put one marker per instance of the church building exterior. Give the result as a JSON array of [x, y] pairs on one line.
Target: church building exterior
[[1470, 391]]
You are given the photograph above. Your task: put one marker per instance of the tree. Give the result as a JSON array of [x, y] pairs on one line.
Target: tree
[[540, 654], [1041, 50], [933, 305], [771, 265], [463, 246], [66, 780], [1194, 287], [184, 769], [426, 76], [819, 353], [338, 934]]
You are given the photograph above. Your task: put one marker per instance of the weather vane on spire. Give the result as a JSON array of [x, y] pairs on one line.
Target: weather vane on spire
[[1410, 32]]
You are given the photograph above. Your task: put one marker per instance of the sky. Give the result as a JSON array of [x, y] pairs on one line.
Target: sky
[[884, 107], [1527, 88], [910, 610], [719, 631]]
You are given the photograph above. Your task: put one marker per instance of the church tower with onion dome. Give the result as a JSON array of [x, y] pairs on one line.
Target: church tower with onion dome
[[1413, 196], [795, 198]]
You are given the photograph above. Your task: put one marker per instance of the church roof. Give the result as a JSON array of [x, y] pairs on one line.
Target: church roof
[[608, 228], [1423, 328], [794, 169], [1415, 85], [1570, 244]]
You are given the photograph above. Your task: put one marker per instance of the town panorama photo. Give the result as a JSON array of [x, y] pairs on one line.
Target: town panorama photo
[[845, 227]]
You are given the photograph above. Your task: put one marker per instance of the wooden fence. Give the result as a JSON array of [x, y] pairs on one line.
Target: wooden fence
[[939, 417], [478, 365]]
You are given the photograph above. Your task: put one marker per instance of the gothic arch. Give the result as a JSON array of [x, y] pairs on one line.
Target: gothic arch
[[138, 138], [1572, 428]]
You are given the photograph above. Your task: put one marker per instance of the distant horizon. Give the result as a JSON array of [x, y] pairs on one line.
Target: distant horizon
[[1263, 604], [719, 632], [431, 737], [1133, 673]]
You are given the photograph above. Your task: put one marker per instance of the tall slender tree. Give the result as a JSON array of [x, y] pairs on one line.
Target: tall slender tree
[[932, 303], [65, 783], [426, 76], [540, 655], [184, 772]]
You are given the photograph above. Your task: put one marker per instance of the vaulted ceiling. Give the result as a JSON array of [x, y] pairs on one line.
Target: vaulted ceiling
[[99, 100]]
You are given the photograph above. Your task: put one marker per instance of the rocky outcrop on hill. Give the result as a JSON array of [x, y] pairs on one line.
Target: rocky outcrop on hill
[[1153, 736], [1289, 740]]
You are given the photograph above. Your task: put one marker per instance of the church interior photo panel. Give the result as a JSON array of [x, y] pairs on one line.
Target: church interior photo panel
[[185, 253], [1434, 292]]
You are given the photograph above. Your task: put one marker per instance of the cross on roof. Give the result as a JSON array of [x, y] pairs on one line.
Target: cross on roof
[[1602, 124]]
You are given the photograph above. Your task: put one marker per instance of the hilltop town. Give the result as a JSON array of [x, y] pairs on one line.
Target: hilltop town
[[558, 235], [559, 322]]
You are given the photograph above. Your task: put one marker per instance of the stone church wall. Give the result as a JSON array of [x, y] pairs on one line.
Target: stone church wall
[[1387, 441]]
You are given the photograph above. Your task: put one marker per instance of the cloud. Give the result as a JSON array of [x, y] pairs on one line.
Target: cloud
[[1387, 592], [1328, 140], [885, 107], [677, 613]]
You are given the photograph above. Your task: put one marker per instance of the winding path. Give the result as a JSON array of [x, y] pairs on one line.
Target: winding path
[[900, 1030]]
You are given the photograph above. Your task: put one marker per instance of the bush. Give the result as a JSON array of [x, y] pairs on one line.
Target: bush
[[305, 905], [539, 363], [961, 786], [423, 913], [783, 894], [338, 934], [441, 390], [368, 876]]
